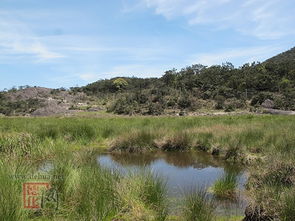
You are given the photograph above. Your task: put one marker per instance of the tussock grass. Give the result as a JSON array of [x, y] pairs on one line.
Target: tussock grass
[[144, 196], [11, 189], [225, 186], [134, 141], [204, 140], [288, 206], [198, 206], [17, 143], [88, 192], [96, 197], [177, 142], [71, 132]]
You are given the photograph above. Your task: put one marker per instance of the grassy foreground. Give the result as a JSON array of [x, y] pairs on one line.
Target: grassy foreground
[[265, 143]]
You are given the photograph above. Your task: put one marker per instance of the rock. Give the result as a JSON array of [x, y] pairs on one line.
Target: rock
[[268, 104], [182, 113], [278, 112], [51, 108], [94, 109]]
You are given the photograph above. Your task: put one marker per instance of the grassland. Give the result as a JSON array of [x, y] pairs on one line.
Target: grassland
[[266, 144]]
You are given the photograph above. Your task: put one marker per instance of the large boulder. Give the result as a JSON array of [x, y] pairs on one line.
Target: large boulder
[[268, 104]]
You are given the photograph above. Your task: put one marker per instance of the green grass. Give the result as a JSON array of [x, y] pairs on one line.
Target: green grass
[[198, 206], [225, 186], [237, 137], [265, 143], [145, 196], [11, 189], [288, 208]]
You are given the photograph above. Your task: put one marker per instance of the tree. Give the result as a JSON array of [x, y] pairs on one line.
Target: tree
[[120, 83]]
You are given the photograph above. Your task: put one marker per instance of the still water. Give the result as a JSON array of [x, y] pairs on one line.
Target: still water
[[182, 171]]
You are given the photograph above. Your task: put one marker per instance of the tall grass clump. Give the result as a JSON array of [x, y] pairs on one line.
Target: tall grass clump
[[198, 206], [96, 196], [271, 186], [134, 141], [48, 131], [288, 207], [204, 140], [251, 137], [179, 141], [11, 207], [79, 131], [68, 131], [87, 192], [19, 144], [152, 190], [225, 186], [144, 195]]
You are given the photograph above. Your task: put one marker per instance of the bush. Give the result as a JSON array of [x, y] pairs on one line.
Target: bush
[[184, 102], [155, 109], [219, 102], [261, 97]]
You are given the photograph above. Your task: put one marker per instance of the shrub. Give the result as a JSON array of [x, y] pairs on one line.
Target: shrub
[[184, 102], [260, 98], [219, 102], [155, 109]]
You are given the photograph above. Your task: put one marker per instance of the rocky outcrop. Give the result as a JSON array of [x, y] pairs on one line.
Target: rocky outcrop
[[278, 112], [268, 104]]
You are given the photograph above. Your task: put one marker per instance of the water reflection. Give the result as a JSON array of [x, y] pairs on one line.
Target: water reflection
[[183, 171]]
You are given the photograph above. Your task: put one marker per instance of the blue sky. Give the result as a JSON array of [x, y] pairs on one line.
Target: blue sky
[[55, 43]]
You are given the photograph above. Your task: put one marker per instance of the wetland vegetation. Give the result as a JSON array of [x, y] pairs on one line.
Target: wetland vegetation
[[87, 190]]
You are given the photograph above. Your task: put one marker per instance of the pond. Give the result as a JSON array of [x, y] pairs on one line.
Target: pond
[[182, 171]]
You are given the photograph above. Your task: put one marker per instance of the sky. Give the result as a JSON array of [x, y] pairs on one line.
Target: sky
[[65, 43]]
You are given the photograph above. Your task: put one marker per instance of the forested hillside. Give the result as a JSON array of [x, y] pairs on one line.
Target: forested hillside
[[221, 87], [197, 86]]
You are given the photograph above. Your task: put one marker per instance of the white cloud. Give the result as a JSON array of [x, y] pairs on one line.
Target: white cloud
[[18, 40], [237, 56], [270, 19]]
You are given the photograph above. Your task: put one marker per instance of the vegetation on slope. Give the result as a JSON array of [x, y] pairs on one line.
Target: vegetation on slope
[[221, 87], [197, 86]]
